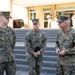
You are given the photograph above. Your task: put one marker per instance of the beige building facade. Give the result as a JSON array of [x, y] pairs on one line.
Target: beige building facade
[[42, 12], [54, 10]]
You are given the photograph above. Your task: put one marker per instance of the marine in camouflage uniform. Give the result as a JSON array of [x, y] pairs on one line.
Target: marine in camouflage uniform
[[33, 39], [7, 43], [65, 47]]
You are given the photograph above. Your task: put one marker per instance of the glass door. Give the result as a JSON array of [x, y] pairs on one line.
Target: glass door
[[47, 17]]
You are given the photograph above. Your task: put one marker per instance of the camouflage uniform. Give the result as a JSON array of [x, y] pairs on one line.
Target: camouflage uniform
[[33, 39], [66, 42], [7, 57]]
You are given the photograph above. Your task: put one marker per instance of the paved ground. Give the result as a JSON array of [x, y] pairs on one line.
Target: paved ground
[[20, 73], [22, 44], [25, 73]]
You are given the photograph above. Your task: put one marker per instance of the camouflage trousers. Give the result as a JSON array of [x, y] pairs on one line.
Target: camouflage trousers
[[8, 67], [65, 69], [34, 65]]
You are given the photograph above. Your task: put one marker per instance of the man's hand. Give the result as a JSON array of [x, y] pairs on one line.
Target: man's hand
[[38, 53], [62, 52], [35, 54], [57, 51]]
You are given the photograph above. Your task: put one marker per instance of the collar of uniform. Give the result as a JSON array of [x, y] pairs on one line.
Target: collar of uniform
[[34, 31]]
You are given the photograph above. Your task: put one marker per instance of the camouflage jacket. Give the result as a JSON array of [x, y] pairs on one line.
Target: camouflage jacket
[[7, 43], [33, 39], [67, 43]]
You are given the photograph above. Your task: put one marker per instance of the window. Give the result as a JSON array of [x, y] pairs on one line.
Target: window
[[32, 14]]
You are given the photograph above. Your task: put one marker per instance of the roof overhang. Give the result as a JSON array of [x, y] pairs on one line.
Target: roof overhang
[[28, 3]]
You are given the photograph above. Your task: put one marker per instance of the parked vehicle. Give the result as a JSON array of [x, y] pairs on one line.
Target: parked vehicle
[[18, 23]]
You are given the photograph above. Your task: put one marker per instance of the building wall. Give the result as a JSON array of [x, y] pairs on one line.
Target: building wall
[[20, 12], [53, 9], [40, 13], [67, 9], [66, 6]]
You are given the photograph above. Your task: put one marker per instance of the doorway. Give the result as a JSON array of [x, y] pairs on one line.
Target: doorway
[[66, 12]]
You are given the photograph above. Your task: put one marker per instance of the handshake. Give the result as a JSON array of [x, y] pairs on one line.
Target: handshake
[[37, 48]]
